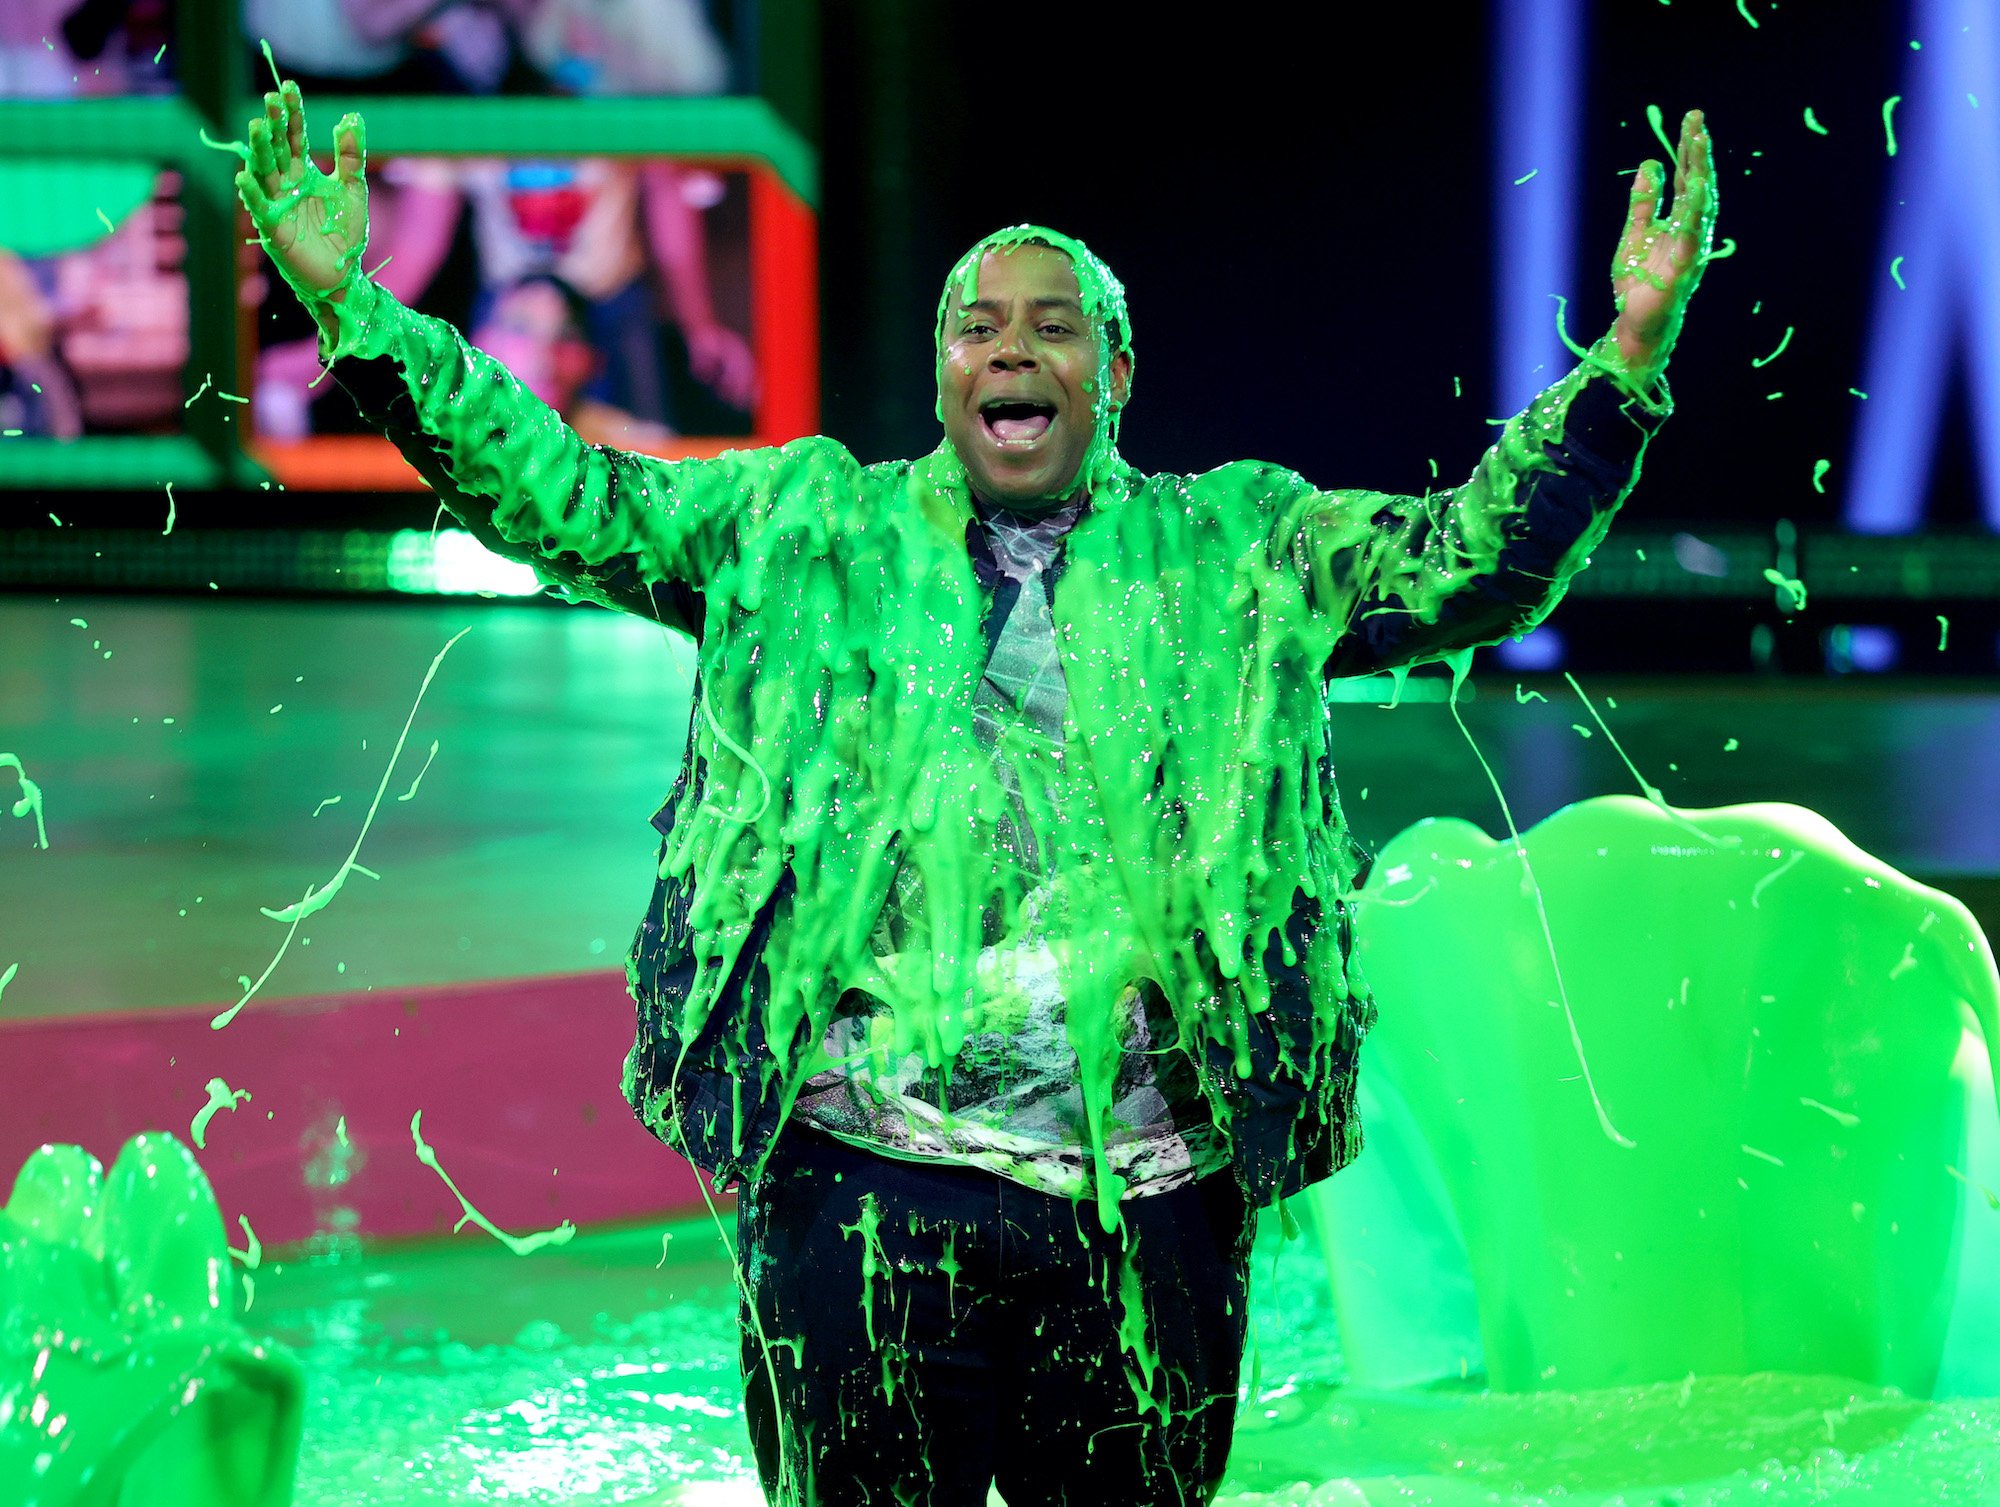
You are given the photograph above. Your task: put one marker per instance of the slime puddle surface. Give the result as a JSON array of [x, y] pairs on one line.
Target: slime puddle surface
[[451, 1373]]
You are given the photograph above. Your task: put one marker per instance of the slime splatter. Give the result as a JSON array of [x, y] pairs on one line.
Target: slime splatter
[[220, 1097]]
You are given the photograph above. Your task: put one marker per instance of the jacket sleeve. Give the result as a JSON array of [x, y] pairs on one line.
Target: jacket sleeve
[[628, 531], [1410, 579]]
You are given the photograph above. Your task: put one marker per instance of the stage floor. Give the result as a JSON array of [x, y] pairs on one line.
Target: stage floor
[[595, 1373], [191, 778]]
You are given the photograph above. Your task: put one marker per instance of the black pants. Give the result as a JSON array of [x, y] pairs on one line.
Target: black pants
[[933, 1329]]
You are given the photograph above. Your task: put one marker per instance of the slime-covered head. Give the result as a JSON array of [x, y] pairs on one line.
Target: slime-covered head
[[1034, 365]]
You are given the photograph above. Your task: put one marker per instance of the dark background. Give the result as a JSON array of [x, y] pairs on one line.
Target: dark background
[[1302, 215]]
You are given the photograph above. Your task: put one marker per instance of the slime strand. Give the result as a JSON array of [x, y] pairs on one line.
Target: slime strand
[[1896, 272], [1813, 125], [1944, 630], [1787, 340], [7, 977], [1743, 10], [520, 1245], [315, 901], [1889, 121], [1646, 787], [1820, 468], [407, 794], [1838, 1116], [1460, 663]]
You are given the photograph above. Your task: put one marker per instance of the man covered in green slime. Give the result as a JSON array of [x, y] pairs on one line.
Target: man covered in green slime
[[1001, 940]]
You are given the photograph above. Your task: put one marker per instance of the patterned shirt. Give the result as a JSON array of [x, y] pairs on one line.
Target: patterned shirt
[[1012, 1102]]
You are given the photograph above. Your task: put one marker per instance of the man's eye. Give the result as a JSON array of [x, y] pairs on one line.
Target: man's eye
[[1055, 329], [977, 329]]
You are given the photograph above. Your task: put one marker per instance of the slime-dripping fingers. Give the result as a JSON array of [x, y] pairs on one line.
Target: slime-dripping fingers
[[295, 120], [274, 114], [263, 160], [350, 159]]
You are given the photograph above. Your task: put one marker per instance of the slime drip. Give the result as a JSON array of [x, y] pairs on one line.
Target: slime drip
[[867, 1224]]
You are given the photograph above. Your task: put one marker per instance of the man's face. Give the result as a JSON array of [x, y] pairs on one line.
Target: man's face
[[1018, 376]]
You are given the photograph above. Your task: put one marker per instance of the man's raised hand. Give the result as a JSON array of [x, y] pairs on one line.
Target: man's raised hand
[[1659, 262], [315, 226]]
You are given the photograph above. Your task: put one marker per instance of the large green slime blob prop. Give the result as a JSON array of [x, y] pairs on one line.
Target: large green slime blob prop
[[1768, 1015], [125, 1377]]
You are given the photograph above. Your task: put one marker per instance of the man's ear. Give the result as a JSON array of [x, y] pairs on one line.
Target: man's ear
[[1121, 379]]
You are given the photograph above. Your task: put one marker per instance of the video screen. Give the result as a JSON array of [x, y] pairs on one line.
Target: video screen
[[582, 48], [617, 289], [76, 49], [93, 298]]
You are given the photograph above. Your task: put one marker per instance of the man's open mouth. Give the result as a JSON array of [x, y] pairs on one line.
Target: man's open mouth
[[1013, 422]]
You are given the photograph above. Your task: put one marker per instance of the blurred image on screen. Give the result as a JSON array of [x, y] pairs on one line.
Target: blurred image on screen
[[62, 49], [574, 47], [616, 289], [93, 298]]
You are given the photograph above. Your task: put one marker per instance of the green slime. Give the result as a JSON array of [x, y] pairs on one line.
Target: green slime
[[1772, 1015], [124, 1373]]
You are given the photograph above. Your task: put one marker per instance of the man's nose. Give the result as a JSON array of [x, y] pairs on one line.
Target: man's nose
[[1012, 352]]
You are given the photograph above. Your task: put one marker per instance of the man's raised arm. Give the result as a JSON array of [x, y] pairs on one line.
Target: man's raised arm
[[1417, 578], [626, 530]]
